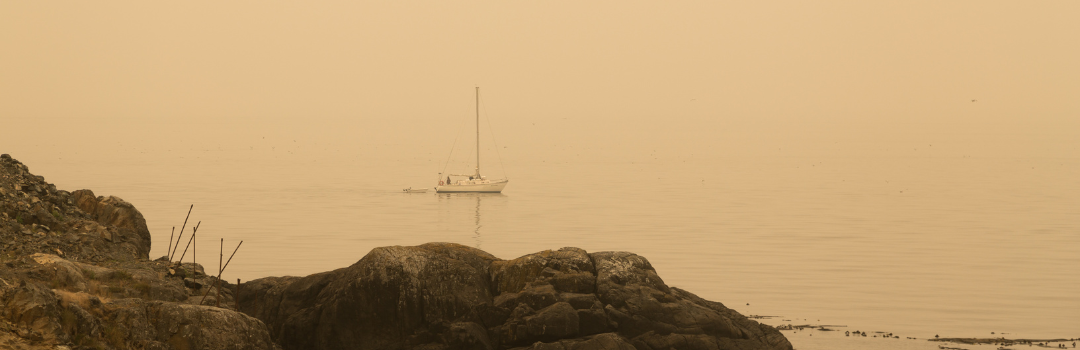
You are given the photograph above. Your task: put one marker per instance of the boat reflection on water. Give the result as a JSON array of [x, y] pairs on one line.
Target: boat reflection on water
[[454, 203]]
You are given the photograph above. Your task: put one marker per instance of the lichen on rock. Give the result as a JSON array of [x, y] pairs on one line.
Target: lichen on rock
[[449, 296]]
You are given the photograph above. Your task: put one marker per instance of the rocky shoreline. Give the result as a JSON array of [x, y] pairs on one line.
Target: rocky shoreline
[[75, 274]]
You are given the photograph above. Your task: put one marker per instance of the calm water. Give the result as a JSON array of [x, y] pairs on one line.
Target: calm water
[[911, 243]]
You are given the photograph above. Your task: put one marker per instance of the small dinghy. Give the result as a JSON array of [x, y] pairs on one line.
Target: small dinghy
[[414, 190]]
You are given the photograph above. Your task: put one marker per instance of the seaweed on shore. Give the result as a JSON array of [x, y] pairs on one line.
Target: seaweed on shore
[[1002, 341]]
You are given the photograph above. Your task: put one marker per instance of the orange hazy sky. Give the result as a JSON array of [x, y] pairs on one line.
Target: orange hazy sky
[[856, 69]]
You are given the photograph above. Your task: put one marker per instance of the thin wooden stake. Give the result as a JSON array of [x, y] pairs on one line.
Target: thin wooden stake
[[181, 260], [167, 250], [230, 257], [217, 303], [220, 254], [222, 270], [236, 297], [173, 253]]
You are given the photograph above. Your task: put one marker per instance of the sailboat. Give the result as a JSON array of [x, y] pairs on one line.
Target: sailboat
[[472, 182]]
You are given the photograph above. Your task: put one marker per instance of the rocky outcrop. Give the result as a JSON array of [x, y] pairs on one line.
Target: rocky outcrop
[[115, 212], [449, 296], [42, 317], [74, 274], [35, 217], [46, 300]]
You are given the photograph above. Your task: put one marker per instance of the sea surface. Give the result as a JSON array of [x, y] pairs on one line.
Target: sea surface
[[896, 237]]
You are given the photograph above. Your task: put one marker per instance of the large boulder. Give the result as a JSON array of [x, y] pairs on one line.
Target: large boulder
[[185, 326], [393, 298], [655, 316], [449, 296], [112, 211]]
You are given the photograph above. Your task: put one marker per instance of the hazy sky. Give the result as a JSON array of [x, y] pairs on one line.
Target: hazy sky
[[763, 73]]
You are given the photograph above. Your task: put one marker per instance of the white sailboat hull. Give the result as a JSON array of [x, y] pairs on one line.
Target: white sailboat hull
[[476, 183], [473, 186]]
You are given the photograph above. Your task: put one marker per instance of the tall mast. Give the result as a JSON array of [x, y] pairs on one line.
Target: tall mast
[[477, 132]]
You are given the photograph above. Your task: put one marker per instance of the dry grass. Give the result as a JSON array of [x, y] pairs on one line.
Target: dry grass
[[80, 299]]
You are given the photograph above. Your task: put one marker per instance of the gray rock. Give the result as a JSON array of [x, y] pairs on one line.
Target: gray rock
[[536, 297], [567, 269], [468, 336], [185, 326], [557, 321], [580, 301], [593, 321], [606, 341], [448, 296]]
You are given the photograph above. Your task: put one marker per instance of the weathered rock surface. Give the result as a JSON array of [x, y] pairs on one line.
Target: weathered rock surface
[[74, 274], [44, 318], [35, 217], [115, 212], [449, 296]]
